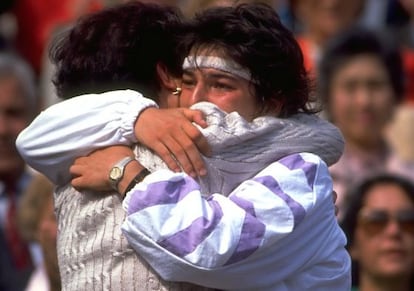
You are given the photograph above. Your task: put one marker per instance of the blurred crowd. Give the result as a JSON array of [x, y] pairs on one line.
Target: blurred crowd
[[360, 57]]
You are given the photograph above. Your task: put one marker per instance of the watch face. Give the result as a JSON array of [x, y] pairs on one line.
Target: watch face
[[115, 173]]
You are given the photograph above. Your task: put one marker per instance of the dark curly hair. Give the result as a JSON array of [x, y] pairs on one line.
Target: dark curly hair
[[253, 36], [117, 48]]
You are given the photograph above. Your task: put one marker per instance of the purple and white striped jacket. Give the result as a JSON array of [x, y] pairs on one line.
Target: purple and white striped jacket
[[276, 231]]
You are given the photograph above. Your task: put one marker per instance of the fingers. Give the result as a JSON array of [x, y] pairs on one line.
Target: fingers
[[188, 154], [195, 116], [74, 170], [77, 180], [194, 134], [172, 134], [163, 151], [198, 140], [77, 184], [181, 154]]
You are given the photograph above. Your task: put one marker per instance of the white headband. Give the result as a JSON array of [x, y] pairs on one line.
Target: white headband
[[217, 63]]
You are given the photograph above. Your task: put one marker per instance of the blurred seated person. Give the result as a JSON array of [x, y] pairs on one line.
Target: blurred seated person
[[361, 84], [17, 104], [37, 223], [379, 224]]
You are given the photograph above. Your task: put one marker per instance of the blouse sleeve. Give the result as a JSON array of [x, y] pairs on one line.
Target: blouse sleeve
[[77, 126]]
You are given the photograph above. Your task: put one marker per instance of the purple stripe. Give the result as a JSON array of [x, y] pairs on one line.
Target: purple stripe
[[187, 240], [251, 234], [244, 204], [165, 192], [296, 162], [297, 209]]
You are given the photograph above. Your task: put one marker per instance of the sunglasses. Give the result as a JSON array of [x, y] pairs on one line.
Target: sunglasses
[[375, 221]]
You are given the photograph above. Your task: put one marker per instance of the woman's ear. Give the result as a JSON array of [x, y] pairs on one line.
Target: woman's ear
[[272, 107], [166, 79]]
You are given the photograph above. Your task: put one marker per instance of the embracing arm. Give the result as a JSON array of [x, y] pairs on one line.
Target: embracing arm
[[77, 126], [226, 242]]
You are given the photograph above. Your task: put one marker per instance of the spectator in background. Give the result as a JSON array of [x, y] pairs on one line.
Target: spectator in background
[[319, 21], [6, 25], [379, 224], [191, 7], [17, 107], [37, 223], [361, 83], [45, 16], [401, 26]]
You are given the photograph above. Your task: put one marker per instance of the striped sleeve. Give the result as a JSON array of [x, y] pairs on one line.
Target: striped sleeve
[[169, 218]]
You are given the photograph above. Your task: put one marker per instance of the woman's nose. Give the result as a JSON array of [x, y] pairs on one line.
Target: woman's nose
[[199, 94]]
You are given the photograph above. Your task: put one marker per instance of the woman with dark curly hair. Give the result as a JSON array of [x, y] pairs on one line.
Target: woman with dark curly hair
[[233, 239], [103, 51], [379, 224]]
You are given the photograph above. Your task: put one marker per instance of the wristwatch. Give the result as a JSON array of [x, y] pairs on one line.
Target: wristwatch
[[117, 172]]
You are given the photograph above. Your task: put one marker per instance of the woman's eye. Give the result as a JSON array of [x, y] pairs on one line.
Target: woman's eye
[[187, 82], [222, 86]]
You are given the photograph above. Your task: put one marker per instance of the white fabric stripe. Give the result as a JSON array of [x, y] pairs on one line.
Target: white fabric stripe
[[267, 206], [286, 177], [220, 245], [167, 222], [217, 63]]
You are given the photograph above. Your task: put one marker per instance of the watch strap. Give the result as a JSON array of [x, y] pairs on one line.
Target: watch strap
[[137, 179]]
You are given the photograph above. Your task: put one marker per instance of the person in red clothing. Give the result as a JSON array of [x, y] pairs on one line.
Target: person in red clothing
[[37, 20], [403, 32]]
